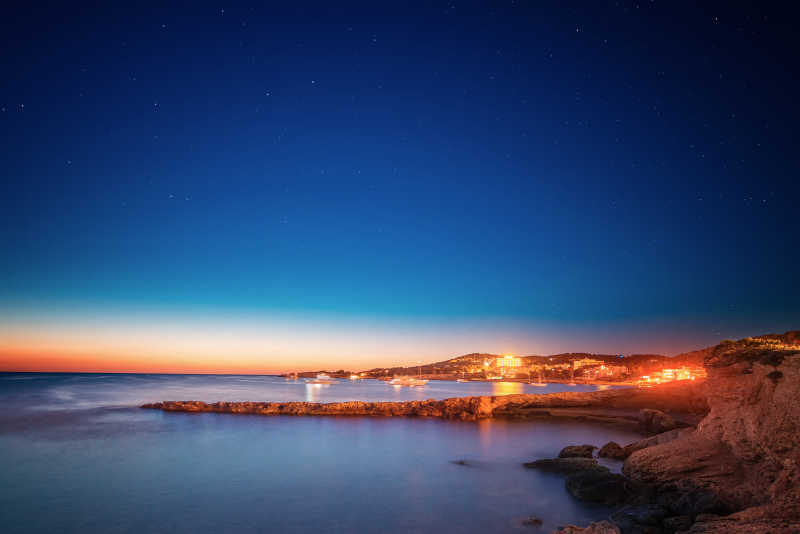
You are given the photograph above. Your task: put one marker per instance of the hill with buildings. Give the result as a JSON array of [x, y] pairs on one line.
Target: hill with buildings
[[563, 366]]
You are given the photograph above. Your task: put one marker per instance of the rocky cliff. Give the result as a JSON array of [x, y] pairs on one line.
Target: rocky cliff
[[742, 462]]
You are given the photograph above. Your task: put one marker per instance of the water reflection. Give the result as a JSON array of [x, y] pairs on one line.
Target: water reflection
[[506, 388], [313, 391], [485, 434]]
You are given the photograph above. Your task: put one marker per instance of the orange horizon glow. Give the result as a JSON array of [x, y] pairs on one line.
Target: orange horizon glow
[[211, 346], [153, 342]]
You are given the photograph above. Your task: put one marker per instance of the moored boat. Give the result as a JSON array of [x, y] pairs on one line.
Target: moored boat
[[408, 381], [322, 378]]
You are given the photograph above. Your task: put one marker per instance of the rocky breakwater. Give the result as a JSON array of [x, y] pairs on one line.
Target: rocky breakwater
[[618, 405], [742, 462]]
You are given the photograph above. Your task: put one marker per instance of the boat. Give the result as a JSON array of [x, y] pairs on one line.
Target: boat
[[462, 380], [408, 381], [322, 378], [539, 383], [355, 377]]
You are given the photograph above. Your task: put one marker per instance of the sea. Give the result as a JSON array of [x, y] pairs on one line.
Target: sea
[[78, 455]]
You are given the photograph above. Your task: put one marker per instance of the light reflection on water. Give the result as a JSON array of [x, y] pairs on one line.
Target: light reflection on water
[[313, 391], [110, 467], [507, 388]]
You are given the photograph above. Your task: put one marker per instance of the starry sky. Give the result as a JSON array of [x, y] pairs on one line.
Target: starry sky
[[255, 188]]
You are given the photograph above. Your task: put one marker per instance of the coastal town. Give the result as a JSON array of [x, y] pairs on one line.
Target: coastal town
[[636, 369]]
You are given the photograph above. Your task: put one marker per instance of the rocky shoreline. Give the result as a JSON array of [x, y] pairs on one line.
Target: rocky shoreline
[[737, 472], [723, 455]]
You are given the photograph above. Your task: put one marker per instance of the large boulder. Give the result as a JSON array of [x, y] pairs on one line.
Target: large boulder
[[658, 439], [612, 450], [577, 451], [656, 421]]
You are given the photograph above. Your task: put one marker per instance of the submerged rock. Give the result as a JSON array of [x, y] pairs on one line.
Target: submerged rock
[[577, 451], [566, 466], [531, 522], [600, 527]]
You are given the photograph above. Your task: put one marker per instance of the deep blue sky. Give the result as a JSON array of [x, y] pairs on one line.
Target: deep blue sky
[[609, 163]]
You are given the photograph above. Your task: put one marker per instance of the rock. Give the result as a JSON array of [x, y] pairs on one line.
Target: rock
[[676, 523], [601, 527], [607, 405], [639, 518], [577, 451], [742, 462], [779, 518], [612, 450], [656, 421], [664, 437], [600, 486], [707, 517], [567, 466], [531, 522]]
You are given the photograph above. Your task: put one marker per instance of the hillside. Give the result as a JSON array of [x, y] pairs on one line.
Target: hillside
[[474, 363]]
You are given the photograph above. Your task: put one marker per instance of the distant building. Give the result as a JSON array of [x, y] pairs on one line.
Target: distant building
[[670, 375], [508, 363], [605, 372], [586, 362]]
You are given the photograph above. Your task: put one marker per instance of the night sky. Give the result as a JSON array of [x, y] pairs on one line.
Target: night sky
[[374, 183]]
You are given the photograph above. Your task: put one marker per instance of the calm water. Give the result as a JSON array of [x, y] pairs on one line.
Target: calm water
[[77, 455]]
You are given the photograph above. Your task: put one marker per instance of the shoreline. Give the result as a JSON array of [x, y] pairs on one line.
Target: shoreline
[[722, 456]]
